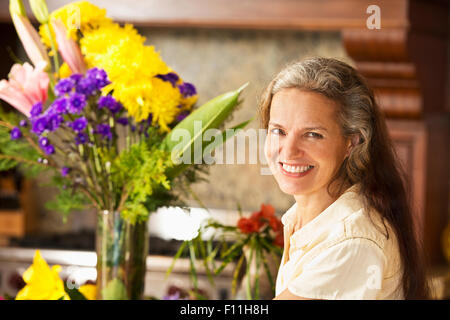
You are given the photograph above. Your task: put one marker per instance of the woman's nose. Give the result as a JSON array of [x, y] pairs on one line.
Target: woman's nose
[[291, 148]]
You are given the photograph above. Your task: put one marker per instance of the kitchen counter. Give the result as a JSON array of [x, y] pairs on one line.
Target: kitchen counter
[[78, 267]]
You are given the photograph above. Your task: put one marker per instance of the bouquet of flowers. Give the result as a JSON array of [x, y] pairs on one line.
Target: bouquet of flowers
[[256, 247], [103, 112]]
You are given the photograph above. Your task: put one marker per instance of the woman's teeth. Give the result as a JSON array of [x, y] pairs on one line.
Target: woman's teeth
[[296, 169]]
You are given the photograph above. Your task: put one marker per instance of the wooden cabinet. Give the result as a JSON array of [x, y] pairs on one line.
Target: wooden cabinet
[[422, 148], [20, 219]]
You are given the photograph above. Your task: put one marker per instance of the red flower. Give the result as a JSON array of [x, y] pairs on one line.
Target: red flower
[[279, 240], [248, 225], [267, 211], [259, 219], [275, 224]]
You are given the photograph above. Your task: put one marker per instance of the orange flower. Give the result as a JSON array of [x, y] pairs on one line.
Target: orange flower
[[267, 211], [247, 225], [275, 224]]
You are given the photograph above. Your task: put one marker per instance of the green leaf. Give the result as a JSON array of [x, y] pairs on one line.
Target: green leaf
[[211, 116], [115, 290], [236, 274], [269, 274], [192, 260], [248, 288], [175, 258]]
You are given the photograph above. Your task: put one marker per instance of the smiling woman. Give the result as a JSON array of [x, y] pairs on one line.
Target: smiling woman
[[349, 234]]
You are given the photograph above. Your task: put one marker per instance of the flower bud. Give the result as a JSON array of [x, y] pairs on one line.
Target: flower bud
[[17, 7], [40, 11]]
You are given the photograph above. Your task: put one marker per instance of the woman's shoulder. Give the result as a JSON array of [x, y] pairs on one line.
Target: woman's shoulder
[[364, 223], [369, 225]]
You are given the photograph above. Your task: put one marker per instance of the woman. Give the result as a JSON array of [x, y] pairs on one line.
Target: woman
[[349, 234]]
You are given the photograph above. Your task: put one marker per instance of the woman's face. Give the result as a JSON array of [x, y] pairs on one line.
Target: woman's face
[[304, 146]]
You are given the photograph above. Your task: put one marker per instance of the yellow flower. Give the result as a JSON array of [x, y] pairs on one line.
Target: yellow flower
[[42, 282], [77, 16], [64, 71], [89, 291], [131, 67]]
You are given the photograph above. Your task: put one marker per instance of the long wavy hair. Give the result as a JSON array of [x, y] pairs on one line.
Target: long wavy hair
[[372, 163]]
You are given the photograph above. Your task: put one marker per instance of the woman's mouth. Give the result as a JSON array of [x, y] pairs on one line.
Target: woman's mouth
[[295, 170]]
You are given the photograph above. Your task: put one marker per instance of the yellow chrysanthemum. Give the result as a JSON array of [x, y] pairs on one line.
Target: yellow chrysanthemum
[[42, 283], [77, 16], [132, 66]]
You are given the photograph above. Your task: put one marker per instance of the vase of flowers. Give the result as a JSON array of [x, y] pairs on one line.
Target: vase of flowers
[[254, 244], [102, 112]]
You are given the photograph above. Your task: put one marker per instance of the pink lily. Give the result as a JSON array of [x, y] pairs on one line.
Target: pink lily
[[70, 51], [30, 39], [26, 86]]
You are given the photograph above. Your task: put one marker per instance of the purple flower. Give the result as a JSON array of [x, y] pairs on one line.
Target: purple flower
[[182, 115], [75, 78], [109, 102], [187, 89], [16, 133], [54, 121], [44, 142], [77, 102], [81, 138], [99, 77], [65, 171], [170, 77], [64, 86], [175, 296], [49, 149], [104, 130], [23, 123], [123, 121], [39, 125], [60, 105], [79, 124], [87, 86], [36, 109]]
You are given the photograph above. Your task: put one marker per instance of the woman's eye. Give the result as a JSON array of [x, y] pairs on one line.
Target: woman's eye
[[314, 135], [276, 131]]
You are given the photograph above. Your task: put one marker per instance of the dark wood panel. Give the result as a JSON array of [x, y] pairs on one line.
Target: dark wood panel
[[409, 139], [259, 14], [423, 150]]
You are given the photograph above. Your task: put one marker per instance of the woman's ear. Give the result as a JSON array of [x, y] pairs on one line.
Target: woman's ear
[[352, 142]]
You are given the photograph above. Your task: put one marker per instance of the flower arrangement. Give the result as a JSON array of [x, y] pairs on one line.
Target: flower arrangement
[[256, 246], [100, 110]]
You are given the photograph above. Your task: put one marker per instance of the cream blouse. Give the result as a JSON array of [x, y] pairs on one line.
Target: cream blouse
[[340, 254]]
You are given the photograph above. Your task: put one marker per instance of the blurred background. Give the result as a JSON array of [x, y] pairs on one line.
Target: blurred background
[[220, 45]]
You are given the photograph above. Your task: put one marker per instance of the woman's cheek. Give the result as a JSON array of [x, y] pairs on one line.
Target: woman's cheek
[[269, 152]]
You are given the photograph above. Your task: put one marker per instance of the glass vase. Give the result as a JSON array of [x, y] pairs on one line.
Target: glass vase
[[122, 249], [255, 283]]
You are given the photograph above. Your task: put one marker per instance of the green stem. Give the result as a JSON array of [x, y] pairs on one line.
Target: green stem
[[53, 46], [19, 159], [248, 288], [193, 269]]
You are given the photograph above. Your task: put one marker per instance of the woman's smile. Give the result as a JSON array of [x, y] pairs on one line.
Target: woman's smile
[[295, 171]]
